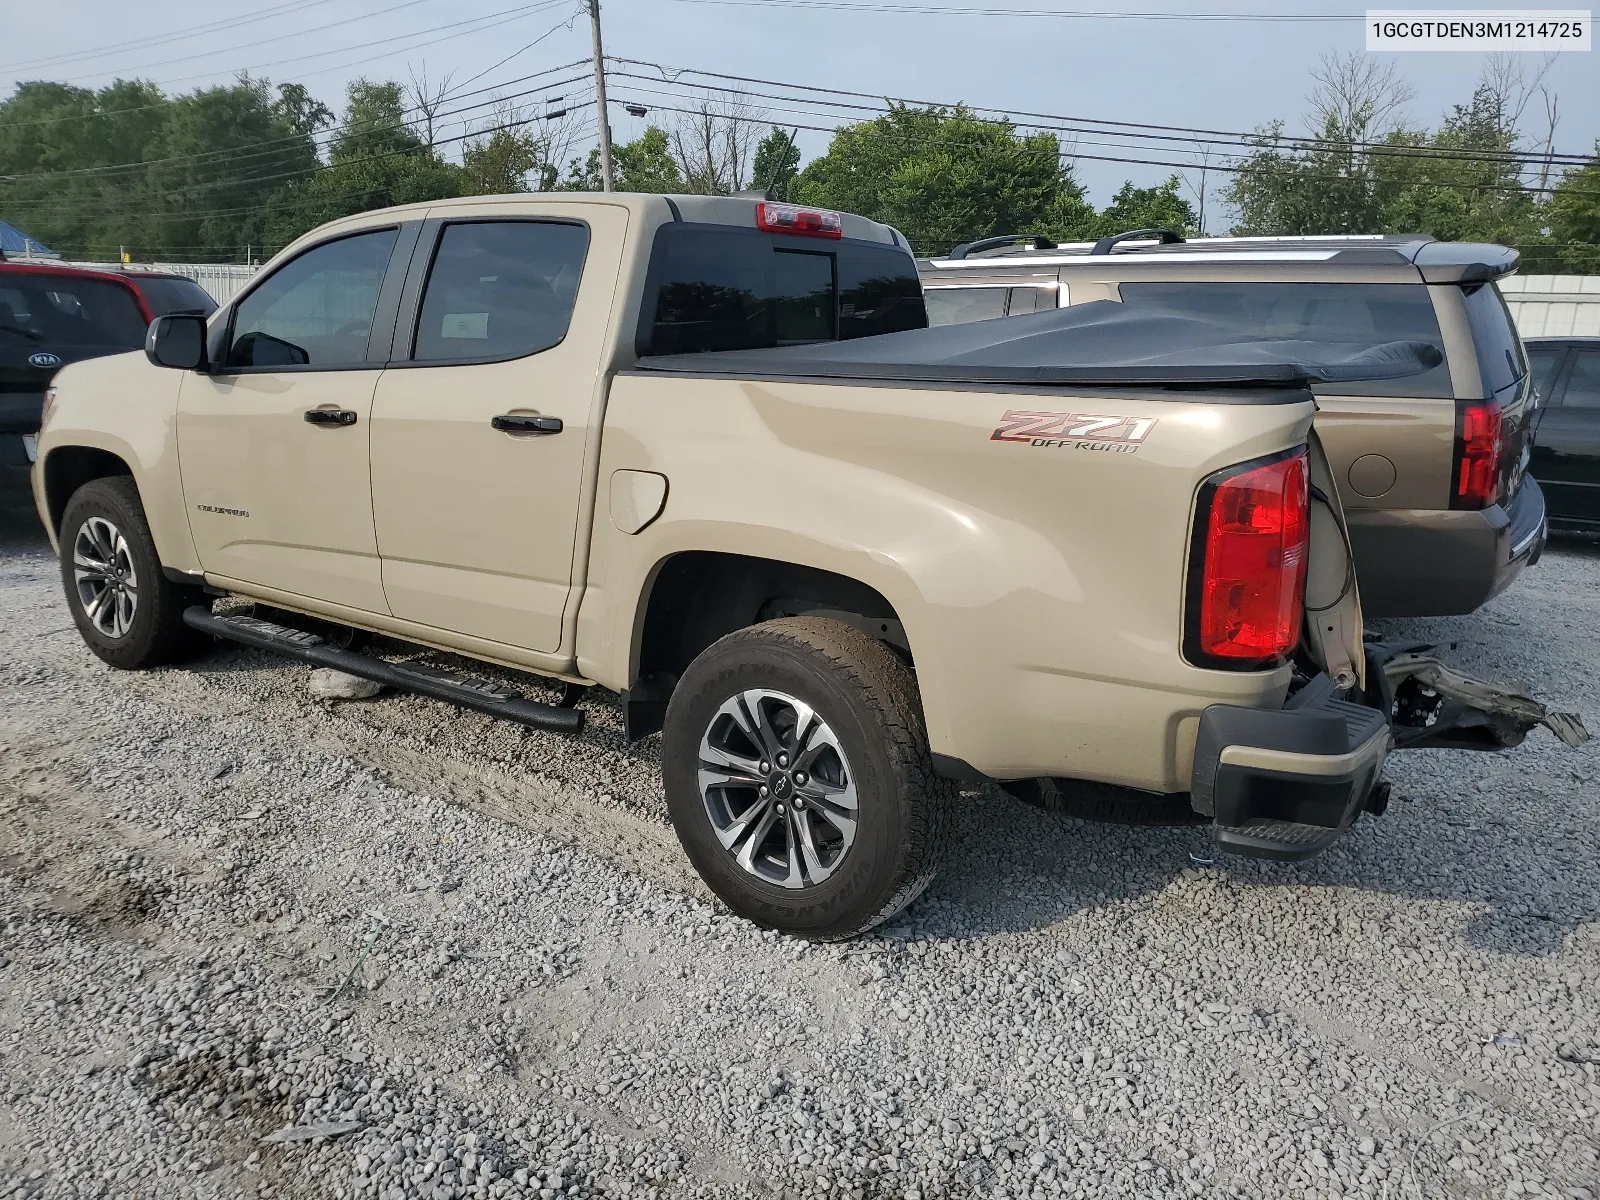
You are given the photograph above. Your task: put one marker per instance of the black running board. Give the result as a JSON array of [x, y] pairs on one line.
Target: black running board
[[477, 694]]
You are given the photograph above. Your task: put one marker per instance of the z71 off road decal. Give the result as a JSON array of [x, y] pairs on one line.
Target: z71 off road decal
[[1073, 431]]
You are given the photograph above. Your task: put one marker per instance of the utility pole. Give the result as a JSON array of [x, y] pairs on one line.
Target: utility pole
[[600, 97]]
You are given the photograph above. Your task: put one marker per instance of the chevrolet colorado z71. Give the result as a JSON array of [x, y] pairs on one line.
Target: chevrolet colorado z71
[[705, 453]]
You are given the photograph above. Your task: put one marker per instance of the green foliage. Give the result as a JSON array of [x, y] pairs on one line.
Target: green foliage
[[1159, 207], [646, 164], [777, 164], [943, 176], [375, 160], [84, 179], [1575, 222], [1458, 182], [499, 162]]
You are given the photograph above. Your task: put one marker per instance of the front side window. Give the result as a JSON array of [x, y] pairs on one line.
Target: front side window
[[1583, 385], [958, 305], [317, 309], [1499, 349], [500, 289], [718, 287], [1353, 315]]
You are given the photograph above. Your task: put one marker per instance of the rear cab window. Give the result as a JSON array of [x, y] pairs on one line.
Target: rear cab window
[[1359, 314], [720, 287]]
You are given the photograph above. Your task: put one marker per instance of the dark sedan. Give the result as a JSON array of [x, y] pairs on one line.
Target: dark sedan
[[1566, 433]]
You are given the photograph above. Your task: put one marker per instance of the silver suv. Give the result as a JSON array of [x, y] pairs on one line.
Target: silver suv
[[1432, 468]]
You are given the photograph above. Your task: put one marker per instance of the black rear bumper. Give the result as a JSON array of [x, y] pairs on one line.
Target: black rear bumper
[[1287, 783]]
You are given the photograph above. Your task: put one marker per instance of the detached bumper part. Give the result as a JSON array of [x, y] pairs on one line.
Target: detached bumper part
[[1286, 784]]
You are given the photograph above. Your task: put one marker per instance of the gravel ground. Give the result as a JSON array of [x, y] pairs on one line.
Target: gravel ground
[[257, 944]]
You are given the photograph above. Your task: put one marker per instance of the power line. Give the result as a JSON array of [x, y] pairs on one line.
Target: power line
[[672, 74], [238, 153], [986, 11], [1174, 166], [157, 39]]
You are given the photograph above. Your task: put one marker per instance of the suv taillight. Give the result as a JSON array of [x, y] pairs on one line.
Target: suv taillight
[[1247, 574], [1478, 442], [807, 222]]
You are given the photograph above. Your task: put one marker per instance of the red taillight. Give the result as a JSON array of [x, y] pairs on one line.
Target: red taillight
[[1477, 455], [1248, 599], [808, 222]]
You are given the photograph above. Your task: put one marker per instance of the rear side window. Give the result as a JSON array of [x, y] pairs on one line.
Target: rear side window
[[715, 287], [1499, 349], [957, 306], [1543, 363], [1583, 385], [166, 296], [317, 309], [1353, 314], [500, 289], [83, 317]]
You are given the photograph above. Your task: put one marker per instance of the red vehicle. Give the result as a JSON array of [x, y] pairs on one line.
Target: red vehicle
[[54, 313]]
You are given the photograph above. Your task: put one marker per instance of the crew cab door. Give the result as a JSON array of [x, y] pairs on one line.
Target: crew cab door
[[273, 443], [481, 425]]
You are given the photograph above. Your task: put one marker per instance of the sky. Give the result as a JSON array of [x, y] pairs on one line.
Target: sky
[[1194, 70]]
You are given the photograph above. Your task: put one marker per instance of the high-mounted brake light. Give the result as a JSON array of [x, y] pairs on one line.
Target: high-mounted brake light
[[1478, 443], [1248, 569], [807, 222]]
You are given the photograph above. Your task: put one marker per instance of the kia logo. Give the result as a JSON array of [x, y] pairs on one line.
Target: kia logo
[[44, 359]]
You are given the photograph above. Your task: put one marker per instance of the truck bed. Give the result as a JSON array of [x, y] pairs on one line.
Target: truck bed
[[1100, 344]]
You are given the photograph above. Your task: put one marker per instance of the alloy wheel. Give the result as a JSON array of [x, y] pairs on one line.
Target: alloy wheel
[[777, 788], [104, 575]]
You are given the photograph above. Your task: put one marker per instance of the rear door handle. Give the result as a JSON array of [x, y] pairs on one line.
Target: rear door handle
[[523, 423], [330, 416]]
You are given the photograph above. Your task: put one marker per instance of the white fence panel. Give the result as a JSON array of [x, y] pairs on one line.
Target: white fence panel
[[1554, 305], [222, 280]]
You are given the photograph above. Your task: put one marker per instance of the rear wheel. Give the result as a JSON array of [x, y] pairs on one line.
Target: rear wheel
[[129, 613], [798, 777]]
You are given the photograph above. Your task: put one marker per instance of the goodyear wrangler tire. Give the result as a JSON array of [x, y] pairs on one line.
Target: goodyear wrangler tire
[[799, 781], [129, 613]]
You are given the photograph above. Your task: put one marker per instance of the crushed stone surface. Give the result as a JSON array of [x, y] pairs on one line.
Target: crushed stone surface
[[254, 943]]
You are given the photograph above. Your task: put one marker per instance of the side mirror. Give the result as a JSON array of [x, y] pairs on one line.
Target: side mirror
[[177, 341]]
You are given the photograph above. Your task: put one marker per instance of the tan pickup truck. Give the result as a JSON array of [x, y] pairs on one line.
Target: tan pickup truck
[[705, 453]]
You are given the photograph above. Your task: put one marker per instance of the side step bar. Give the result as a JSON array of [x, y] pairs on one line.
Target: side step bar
[[477, 694]]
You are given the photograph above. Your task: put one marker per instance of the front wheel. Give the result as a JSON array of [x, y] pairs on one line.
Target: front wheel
[[799, 780], [129, 613]]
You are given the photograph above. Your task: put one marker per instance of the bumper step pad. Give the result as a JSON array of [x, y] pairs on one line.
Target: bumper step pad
[[480, 695]]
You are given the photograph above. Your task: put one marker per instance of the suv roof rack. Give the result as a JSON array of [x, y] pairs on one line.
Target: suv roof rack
[[1037, 241], [1165, 237]]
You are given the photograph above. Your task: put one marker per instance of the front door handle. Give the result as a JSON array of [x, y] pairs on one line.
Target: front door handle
[[330, 416], [524, 423]]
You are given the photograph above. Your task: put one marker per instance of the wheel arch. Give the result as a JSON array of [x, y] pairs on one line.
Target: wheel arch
[[695, 597], [68, 468]]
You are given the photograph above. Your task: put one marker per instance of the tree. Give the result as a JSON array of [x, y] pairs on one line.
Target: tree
[[943, 176], [777, 164], [1574, 222], [645, 164], [376, 160], [1157, 207], [127, 167], [711, 146]]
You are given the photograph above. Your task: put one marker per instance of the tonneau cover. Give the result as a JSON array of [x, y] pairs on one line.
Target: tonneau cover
[[1104, 343]]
